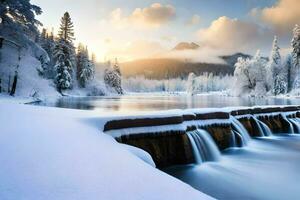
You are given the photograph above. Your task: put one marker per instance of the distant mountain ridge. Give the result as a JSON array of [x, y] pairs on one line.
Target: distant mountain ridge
[[186, 46]]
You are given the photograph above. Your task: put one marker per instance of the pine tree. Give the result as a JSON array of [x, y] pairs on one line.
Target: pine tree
[[65, 55], [116, 67], [85, 67], [295, 72], [112, 79], [66, 30], [63, 67], [20, 15], [274, 67], [47, 43]]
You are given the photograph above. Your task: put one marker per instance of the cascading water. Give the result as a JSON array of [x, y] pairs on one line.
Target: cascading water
[[291, 127], [265, 129], [241, 130], [259, 125], [204, 146], [295, 122]]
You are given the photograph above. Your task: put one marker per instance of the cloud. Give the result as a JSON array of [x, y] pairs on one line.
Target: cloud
[[194, 20], [282, 16], [234, 35], [149, 17]]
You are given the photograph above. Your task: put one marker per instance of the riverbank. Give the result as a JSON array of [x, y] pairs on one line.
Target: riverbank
[[54, 153]]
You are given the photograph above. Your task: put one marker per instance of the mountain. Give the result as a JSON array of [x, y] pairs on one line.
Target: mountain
[[232, 59], [162, 68], [186, 46]]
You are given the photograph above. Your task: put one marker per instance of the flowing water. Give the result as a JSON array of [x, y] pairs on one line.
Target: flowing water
[[265, 168], [268, 168]]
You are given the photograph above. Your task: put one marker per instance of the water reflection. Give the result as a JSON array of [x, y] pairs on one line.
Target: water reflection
[[136, 103]]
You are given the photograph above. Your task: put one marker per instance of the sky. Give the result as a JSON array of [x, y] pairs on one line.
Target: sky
[[135, 29]]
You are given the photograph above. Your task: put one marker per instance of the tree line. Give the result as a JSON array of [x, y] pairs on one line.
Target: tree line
[[259, 76]]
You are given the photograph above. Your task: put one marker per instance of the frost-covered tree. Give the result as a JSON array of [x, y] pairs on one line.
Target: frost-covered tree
[[250, 76], [19, 15], [116, 67], [112, 79], [47, 42], [287, 67], [258, 70], [274, 67], [65, 45], [280, 85], [295, 71], [85, 67], [63, 67], [191, 86]]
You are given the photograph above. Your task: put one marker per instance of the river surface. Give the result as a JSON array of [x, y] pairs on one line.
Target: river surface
[[268, 168], [156, 102]]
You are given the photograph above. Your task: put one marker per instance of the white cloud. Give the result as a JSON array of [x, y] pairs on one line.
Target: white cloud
[[149, 17], [234, 35], [282, 16]]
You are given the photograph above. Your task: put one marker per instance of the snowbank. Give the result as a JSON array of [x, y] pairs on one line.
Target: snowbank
[[51, 153]]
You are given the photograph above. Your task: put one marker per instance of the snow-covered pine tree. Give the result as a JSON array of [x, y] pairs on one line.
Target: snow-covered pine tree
[[274, 67], [112, 79], [191, 87], [65, 54], [63, 67], [48, 44], [295, 71], [85, 67], [19, 15], [116, 67], [287, 67], [280, 85]]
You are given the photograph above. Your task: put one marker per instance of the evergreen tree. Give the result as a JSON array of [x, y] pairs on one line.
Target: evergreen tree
[[274, 68], [66, 30], [287, 69], [295, 72], [280, 85], [112, 79], [64, 54], [20, 15], [48, 44], [63, 67], [85, 67], [116, 67]]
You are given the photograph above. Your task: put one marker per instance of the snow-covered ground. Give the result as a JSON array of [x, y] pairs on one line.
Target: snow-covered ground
[[54, 153]]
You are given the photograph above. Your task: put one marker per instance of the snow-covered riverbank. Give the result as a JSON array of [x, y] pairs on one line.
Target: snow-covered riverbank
[[54, 153]]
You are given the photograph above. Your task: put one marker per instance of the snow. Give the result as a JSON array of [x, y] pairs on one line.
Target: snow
[[51, 153]]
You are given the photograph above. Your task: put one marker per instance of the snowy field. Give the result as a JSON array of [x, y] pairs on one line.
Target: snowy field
[[54, 153]]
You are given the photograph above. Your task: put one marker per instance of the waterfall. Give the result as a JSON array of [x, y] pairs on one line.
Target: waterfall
[[265, 129], [204, 147], [291, 127], [259, 125], [240, 129], [295, 122]]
